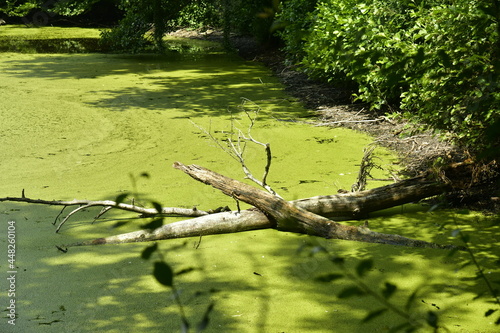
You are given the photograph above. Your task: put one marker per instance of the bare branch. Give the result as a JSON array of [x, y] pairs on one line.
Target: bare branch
[[365, 168], [74, 211], [103, 211], [237, 146], [107, 205]]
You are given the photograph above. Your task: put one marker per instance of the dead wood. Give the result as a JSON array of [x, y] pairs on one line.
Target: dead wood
[[213, 224], [313, 216], [298, 216], [107, 205], [289, 217]]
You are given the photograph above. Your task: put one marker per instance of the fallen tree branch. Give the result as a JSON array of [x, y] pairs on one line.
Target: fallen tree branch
[[233, 222], [346, 206], [213, 224], [288, 216], [107, 205]]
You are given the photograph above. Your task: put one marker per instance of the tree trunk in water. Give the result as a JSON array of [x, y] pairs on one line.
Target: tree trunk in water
[[313, 216]]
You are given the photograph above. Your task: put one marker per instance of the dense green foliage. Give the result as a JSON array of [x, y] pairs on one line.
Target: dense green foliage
[[296, 21], [437, 60], [61, 7], [200, 14], [144, 21]]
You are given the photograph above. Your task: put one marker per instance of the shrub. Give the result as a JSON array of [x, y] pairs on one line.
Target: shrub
[[437, 60], [295, 20], [154, 16], [128, 36], [200, 14]]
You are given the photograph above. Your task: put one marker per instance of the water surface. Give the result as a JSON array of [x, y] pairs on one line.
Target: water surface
[[87, 125]]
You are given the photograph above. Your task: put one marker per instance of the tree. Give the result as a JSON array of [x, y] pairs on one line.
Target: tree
[[145, 22], [61, 7]]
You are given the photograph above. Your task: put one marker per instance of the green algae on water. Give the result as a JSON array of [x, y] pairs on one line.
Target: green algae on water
[[84, 125]]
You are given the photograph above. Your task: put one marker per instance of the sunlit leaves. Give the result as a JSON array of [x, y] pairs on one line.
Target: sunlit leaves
[[438, 63]]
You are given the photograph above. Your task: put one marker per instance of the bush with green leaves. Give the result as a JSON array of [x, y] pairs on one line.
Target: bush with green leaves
[[436, 60], [249, 17], [144, 22], [294, 20], [200, 14], [128, 36]]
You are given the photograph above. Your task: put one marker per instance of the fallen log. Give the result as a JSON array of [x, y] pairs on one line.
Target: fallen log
[[289, 217], [313, 216], [213, 224]]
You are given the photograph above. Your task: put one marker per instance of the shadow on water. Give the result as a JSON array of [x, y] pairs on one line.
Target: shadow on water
[[110, 288], [105, 288], [446, 283], [39, 44]]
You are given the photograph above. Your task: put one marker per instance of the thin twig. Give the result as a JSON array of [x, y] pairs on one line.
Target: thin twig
[[74, 211], [57, 217], [104, 210], [236, 147]]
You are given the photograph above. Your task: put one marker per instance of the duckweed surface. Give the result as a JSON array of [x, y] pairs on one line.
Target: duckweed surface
[[88, 125]]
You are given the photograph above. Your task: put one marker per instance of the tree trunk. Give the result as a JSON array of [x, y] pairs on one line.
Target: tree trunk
[[313, 216]]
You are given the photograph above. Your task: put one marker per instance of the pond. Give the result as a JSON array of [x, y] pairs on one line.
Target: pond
[[87, 125]]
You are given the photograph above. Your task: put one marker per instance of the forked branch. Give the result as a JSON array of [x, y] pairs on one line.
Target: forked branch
[[236, 146]]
